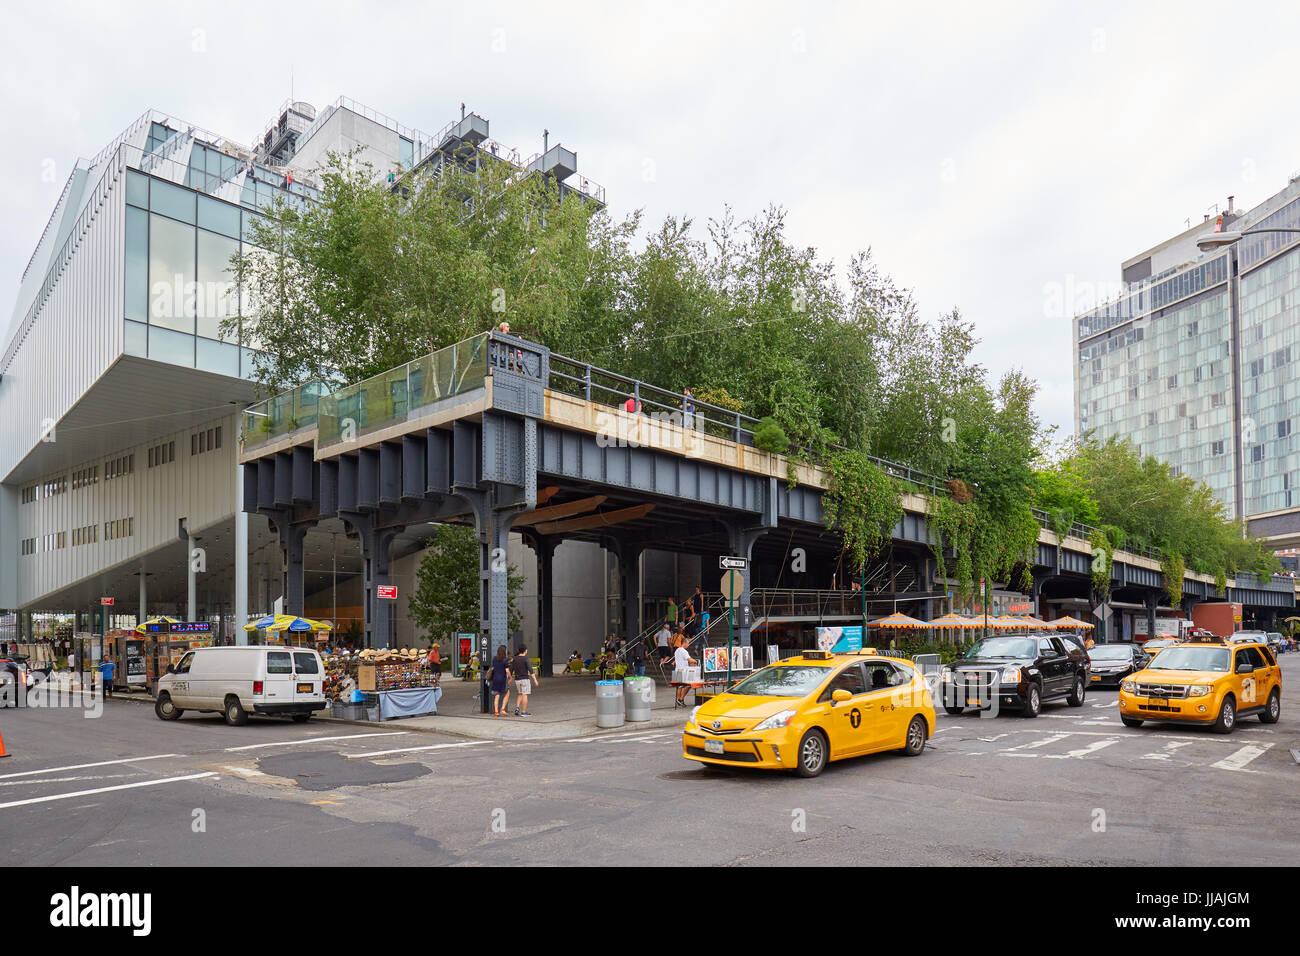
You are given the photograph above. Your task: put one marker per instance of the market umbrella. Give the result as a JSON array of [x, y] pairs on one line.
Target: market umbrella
[[277, 623], [898, 620], [955, 620], [1008, 621], [143, 627], [1070, 622]]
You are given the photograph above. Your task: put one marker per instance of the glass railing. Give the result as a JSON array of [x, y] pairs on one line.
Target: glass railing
[[392, 396], [282, 414]]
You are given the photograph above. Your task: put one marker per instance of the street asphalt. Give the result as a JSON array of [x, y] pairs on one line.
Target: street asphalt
[[1073, 787]]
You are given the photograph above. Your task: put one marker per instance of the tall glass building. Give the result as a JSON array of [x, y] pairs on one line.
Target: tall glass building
[[1193, 363], [125, 365]]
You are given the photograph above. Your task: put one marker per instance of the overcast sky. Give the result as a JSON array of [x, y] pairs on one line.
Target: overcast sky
[[991, 154]]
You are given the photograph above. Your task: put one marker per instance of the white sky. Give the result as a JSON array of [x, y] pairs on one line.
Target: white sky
[[989, 153]]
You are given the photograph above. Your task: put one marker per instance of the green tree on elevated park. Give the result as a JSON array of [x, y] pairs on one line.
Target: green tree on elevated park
[[446, 598], [1144, 503]]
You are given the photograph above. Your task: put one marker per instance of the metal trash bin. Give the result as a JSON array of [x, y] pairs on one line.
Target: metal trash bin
[[638, 695], [609, 703]]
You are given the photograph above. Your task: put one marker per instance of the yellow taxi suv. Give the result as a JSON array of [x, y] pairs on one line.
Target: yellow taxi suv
[[803, 712], [1206, 681]]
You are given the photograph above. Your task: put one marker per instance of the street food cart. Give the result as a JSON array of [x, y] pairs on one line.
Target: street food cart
[[288, 629]]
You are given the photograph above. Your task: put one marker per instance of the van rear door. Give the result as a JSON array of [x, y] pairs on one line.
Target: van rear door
[[278, 687], [307, 680]]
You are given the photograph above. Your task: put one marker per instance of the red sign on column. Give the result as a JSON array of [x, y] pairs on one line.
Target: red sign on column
[[106, 602], [387, 592]]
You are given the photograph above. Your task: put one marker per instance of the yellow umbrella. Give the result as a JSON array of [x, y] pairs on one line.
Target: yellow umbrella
[[1007, 621], [898, 620], [143, 626], [278, 623], [1070, 622], [955, 620]]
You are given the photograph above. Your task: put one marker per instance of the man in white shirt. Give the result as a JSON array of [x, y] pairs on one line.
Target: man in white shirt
[[682, 659], [662, 636]]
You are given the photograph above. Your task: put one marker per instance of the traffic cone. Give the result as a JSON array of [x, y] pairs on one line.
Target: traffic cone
[[2, 746]]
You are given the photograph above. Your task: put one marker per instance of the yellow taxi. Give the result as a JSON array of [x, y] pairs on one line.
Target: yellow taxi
[[1206, 680], [803, 712]]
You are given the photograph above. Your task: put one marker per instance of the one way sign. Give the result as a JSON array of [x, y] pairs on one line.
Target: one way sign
[[728, 563]]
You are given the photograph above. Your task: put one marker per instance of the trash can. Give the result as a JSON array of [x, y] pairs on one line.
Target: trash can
[[638, 695], [609, 703]]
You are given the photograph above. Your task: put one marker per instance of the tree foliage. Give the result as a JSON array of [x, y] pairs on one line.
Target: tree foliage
[[446, 598]]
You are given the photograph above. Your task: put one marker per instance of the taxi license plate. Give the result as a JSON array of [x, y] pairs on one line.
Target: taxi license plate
[[304, 688], [1095, 677], [973, 702], [713, 746]]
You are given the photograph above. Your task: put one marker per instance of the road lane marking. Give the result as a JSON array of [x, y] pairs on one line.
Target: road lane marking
[[1169, 751], [85, 766], [1037, 743], [1092, 748], [1110, 703], [87, 793], [317, 740], [408, 750], [28, 783], [1238, 760]]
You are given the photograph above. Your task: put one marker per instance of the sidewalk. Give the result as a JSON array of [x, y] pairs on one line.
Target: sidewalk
[[563, 707]]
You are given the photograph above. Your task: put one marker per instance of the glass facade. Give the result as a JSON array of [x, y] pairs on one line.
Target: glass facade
[[179, 285], [1270, 390], [1164, 382]]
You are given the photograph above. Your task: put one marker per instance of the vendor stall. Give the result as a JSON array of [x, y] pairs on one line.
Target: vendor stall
[[388, 683], [288, 629]]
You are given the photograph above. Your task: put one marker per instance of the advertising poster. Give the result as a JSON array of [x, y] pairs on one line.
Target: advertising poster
[[715, 659], [840, 640]]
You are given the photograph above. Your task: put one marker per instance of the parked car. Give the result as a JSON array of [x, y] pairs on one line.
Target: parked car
[[15, 672], [236, 681], [1075, 640], [1111, 663], [1015, 671]]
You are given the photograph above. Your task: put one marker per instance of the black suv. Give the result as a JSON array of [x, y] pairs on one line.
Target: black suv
[[1017, 672]]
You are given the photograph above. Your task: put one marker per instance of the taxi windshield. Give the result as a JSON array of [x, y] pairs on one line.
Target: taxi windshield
[[992, 647], [1187, 658], [782, 680]]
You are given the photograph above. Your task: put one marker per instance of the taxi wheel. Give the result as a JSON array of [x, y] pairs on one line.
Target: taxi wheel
[[1076, 696], [1227, 717], [234, 711], [165, 709], [1033, 701], [1273, 709], [915, 737], [1132, 721], [812, 754]]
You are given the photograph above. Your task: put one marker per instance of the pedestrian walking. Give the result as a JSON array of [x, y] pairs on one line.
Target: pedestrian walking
[[500, 683], [681, 660], [435, 660], [72, 661], [106, 670], [662, 637], [638, 658], [521, 669], [688, 409], [671, 614]]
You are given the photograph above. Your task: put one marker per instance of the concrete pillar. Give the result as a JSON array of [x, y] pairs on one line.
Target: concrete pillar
[[142, 613], [375, 546], [191, 581], [241, 559], [1152, 602], [494, 606]]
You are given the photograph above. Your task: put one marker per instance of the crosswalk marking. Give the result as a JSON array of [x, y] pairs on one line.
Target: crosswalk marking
[[84, 766], [1238, 760], [87, 793], [1092, 748], [409, 750], [317, 740], [1035, 744], [1169, 750]]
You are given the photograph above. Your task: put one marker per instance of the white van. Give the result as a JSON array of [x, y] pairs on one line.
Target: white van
[[237, 681]]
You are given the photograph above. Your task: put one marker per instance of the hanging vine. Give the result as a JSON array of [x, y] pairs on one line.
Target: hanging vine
[[1173, 568], [983, 545], [863, 504], [1102, 559]]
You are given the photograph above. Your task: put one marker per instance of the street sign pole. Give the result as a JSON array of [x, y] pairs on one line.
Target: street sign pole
[[729, 606]]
